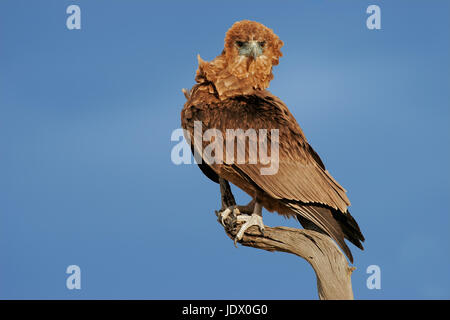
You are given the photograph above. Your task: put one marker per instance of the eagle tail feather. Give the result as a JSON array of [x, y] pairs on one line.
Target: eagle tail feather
[[350, 228], [323, 219]]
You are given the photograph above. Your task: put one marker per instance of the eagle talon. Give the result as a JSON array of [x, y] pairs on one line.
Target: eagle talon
[[223, 215], [253, 220]]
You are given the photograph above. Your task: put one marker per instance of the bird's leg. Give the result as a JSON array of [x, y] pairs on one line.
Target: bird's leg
[[251, 213], [255, 219], [226, 194], [229, 204]]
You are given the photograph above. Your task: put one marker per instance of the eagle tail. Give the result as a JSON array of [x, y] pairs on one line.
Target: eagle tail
[[335, 224], [350, 228]]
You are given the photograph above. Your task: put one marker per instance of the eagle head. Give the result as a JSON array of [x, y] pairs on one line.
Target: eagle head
[[252, 41], [251, 50]]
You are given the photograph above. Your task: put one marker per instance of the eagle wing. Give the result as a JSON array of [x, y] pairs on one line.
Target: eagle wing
[[301, 175], [302, 183]]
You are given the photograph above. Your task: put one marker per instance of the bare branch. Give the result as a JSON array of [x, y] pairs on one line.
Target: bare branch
[[330, 265]]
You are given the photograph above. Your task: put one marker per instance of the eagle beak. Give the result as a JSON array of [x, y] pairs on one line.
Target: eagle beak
[[251, 49], [255, 49]]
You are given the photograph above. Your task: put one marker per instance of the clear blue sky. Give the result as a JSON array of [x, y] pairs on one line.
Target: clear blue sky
[[85, 122]]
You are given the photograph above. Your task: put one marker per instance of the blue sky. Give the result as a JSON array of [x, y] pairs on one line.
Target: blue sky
[[85, 122]]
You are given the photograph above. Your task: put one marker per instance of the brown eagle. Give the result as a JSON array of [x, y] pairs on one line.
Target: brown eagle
[[231, 94]]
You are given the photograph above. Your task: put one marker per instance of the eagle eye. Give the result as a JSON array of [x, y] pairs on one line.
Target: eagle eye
[[262, 44], [239, 43]]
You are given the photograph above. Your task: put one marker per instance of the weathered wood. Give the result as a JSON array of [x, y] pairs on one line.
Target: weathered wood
[[330, 265]]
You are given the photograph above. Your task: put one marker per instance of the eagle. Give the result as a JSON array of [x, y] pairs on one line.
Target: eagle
[[231, 94]]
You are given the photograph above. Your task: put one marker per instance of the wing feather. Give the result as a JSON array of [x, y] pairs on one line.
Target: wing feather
[[301, 183], [301, 175]]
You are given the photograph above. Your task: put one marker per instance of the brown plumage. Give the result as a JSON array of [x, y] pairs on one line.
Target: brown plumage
[[231, 94]]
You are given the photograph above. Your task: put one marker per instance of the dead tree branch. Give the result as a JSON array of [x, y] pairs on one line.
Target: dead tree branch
[[330, 265]]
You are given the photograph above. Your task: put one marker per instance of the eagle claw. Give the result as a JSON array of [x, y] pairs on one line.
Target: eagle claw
[[253, 220], [222, 215]]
